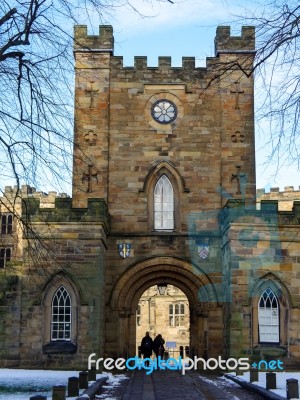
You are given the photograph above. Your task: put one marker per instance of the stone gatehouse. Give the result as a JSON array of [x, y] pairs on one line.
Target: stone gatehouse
[[163, 194]]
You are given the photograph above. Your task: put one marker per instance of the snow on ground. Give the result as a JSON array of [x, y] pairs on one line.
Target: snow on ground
[[281, 378], [113, 381], [220, 383], [21, 384]]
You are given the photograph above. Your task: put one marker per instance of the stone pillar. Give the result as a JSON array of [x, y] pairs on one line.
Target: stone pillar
[[292, 388], [181, 351], [92, 374], [73, 386], [253, 375], [270, 380], [187, 351], [59, 392], [83, 380]]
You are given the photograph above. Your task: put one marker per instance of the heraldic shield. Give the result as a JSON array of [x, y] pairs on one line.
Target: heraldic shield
[[203, 250], [124, 249]]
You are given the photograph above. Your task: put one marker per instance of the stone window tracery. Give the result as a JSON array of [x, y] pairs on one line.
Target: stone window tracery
[[61, 315], [268, 317]]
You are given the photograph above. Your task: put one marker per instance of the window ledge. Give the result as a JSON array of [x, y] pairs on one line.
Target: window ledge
[[270, 350], [60, 347]]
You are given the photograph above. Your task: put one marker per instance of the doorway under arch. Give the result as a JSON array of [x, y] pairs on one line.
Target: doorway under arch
[[125, 296], [167, 313]]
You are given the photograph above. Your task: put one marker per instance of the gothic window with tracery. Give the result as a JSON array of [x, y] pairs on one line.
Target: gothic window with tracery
[[61, 315], [163, 204], [268, 317]]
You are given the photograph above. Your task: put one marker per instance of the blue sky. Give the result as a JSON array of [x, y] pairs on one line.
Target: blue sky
[[187, 28]]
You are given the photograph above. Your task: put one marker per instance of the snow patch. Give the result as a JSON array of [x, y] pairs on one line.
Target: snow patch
[[281, 378]]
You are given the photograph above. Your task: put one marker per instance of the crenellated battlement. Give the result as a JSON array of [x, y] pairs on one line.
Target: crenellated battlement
[[275, 191], [103, 41], [164, 63], [285, 198], [225, 43], [46, 200], [62, 211], [268, 212]]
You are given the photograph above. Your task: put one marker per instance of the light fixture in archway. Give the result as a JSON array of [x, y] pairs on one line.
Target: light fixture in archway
[[162, 287]]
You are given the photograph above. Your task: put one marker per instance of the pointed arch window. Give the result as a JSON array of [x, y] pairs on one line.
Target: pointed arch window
[[268, 317], [61, 315], [163, 204]]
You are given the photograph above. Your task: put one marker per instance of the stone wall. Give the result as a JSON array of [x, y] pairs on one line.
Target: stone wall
[[61, 245], [263, 250]]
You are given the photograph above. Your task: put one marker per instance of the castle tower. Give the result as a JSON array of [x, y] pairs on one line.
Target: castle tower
[[92, 91], [235, 78], [158, 153], [187, 129], [214, 110]]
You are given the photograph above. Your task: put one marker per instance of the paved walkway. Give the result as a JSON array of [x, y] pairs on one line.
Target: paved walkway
[[171, 385]]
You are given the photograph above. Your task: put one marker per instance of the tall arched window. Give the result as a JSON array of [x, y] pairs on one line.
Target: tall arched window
[[163, 204], [61, 315], [268, 317]]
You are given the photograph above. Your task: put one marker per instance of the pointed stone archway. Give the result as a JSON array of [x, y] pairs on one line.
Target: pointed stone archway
[[169, 270]]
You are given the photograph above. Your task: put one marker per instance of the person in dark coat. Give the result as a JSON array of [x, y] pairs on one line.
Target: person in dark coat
[[158, 346], [146, 347]]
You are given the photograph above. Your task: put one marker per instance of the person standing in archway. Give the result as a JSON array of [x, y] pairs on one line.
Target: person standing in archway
[[158, 346], [146, 347]]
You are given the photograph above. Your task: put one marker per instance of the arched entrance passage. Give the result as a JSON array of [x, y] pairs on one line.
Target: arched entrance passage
[[164, 311], [168, 270]]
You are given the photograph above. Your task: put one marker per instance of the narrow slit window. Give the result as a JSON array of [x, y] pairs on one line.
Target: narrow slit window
[[138, 315]]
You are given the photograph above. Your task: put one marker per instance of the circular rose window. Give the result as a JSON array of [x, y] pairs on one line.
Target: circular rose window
[[164, 111]]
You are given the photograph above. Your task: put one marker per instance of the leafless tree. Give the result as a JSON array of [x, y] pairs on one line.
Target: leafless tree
[[277, 66], [36, 103], [36, 80]]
